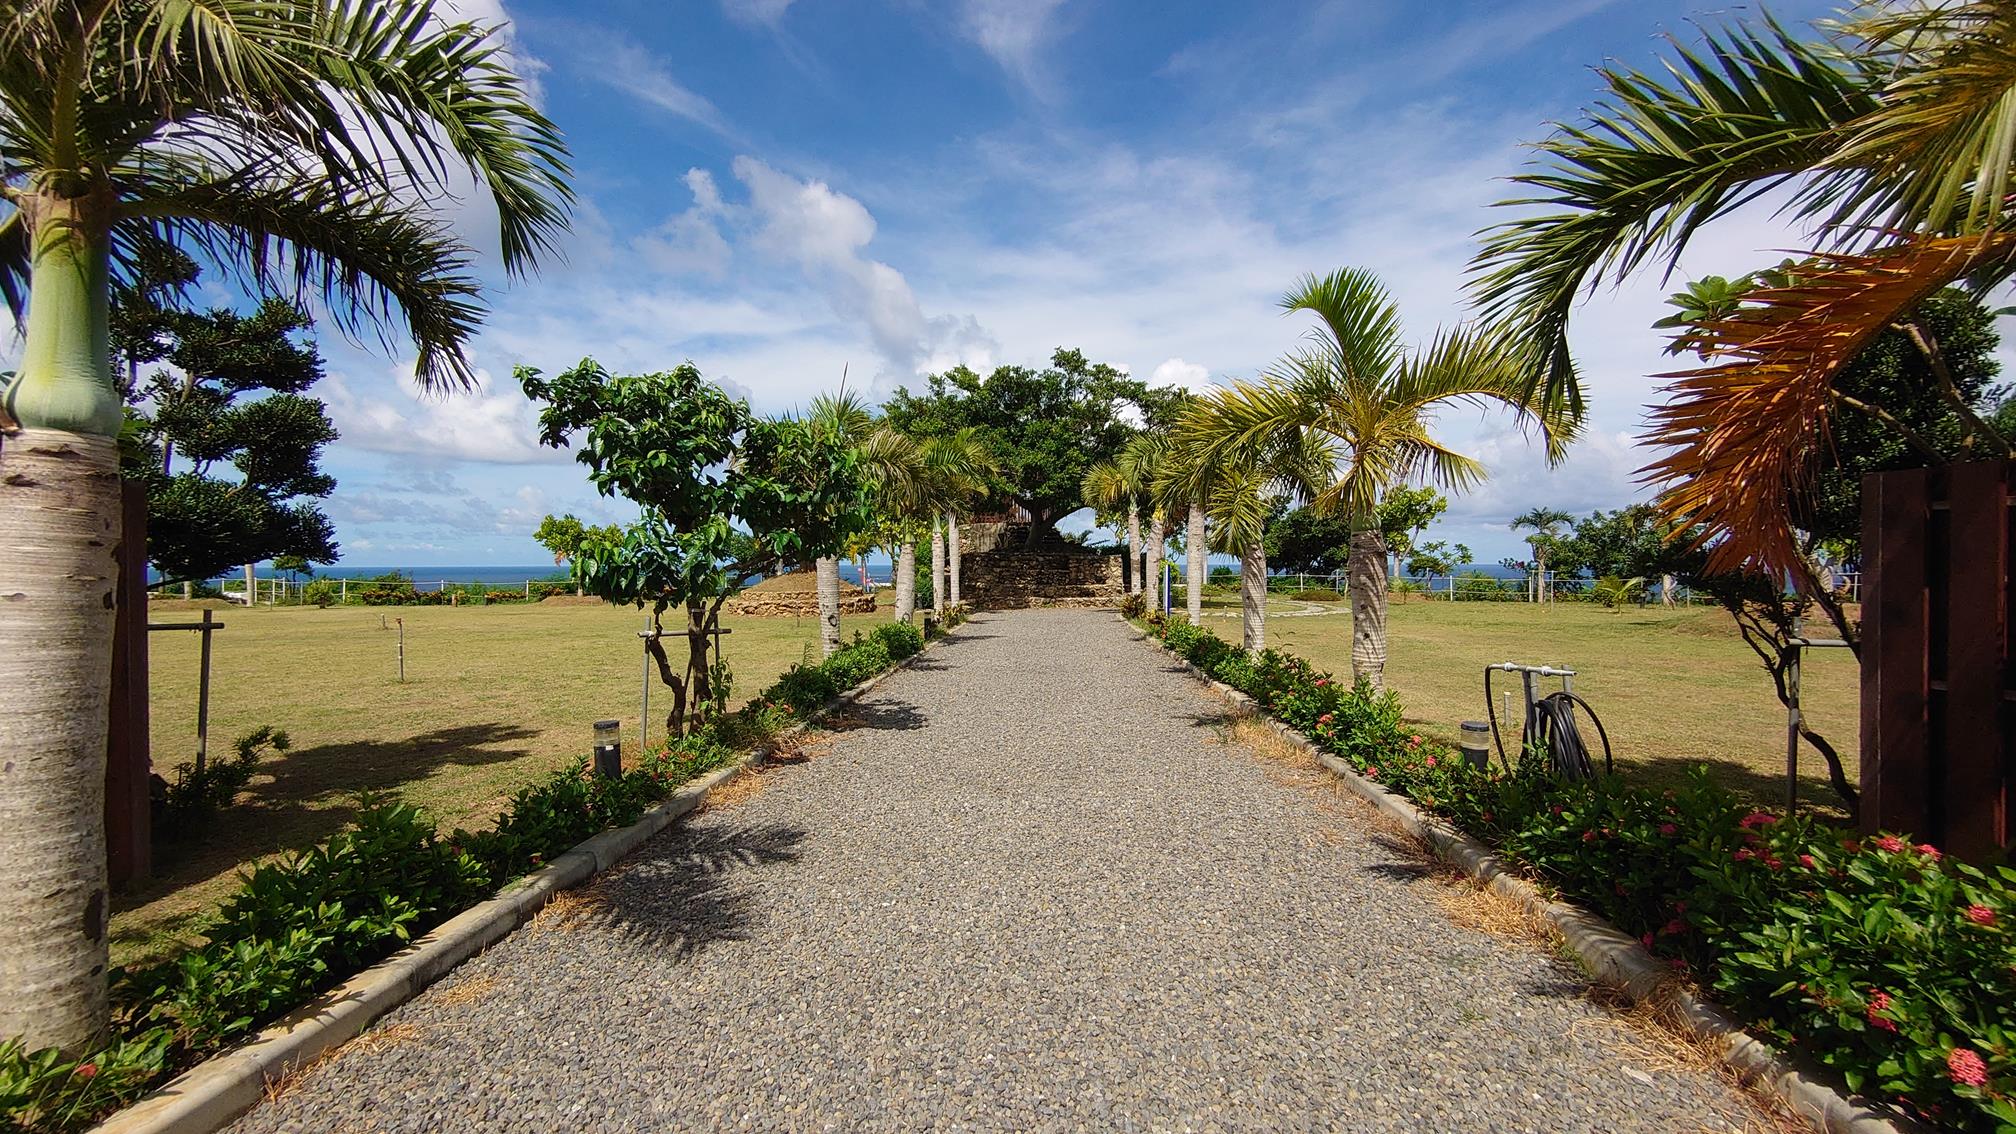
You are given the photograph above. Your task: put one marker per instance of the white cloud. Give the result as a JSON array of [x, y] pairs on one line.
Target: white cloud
[[1176, 372], [630, 68], [1013, 33], [486, 425], [768, 13]]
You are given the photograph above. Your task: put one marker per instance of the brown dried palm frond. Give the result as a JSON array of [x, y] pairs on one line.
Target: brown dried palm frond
[[1745, 433]]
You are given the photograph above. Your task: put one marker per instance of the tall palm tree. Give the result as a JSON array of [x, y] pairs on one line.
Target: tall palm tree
[[847, 416], [1357, 385], [1545, 524], [303, 144], [959, 466], [1890, 136], [1178, 490], [1142, 459]]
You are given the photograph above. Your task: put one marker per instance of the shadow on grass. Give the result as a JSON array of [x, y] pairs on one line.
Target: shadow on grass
[[691, 888], [312, 795]]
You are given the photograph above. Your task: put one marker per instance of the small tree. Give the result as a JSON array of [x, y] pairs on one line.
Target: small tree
[[564, 536], [727, 496]]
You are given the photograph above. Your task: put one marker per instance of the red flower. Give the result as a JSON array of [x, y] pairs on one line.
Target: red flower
[[1745, 854], [1646, 940], [1966, 1067], [1806, 860], [1668, 829], [1773, 862], [1980, 915], [1326, 718], [86, 1070], [1321, 682], [1758, 819], [1372, 770], [1851, 846], [1891, 843], [1431, 761], [1879, 1002], [1930, 851], [1486, 816], [1414, 742], [1588, 836], [1674, 927]]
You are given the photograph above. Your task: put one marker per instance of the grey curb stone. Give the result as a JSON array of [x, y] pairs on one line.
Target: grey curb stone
[[208, 1096], [1611, 956]]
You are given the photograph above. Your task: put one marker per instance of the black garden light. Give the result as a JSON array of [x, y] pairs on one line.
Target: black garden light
[[608, 749]]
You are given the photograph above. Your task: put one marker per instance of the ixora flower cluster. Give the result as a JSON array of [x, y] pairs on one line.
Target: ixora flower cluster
[[1884, 960]]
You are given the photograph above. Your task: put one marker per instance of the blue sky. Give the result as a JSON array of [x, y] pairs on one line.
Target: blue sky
[[776, 189]]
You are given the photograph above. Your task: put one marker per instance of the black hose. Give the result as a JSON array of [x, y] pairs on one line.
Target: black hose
[[1550, 726]]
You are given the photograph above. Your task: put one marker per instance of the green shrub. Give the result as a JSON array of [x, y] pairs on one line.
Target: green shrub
[[1316, 594], [1133, 605], [1883, 960], [188, 803], [901, 639], [321, 592]]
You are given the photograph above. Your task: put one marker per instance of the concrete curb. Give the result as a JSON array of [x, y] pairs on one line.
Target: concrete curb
[[1611, 956], [213, 1093]]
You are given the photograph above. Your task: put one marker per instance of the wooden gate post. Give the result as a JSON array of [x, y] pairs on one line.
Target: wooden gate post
[[128, 808]]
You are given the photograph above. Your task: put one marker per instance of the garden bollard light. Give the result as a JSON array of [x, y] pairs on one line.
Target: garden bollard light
[[608, 749], [1477, 744]]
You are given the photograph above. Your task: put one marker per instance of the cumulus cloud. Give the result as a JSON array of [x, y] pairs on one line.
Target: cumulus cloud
[[489, 425], [1177, 372]]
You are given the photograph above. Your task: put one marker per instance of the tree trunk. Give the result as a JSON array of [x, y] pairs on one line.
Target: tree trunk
[[1368, 608], [1665, 590], [1193, 568], [1134, 547], [861, 569], [937, 566], [826, 571], [1540, 566], [1152, 572], [59, 535], [906, 580], [952, 557], [1253, 596], [251, 594]]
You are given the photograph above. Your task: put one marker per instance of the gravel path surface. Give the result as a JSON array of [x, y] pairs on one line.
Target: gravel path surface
[[1030, 889]]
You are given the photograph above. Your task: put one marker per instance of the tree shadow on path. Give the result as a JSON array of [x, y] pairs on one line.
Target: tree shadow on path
[[684, 893]]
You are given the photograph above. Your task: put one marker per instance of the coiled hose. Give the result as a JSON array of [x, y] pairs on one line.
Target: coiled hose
[[1550, 728]]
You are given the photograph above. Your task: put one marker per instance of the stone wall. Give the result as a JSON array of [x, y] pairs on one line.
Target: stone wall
[[793, 604], [1013, 579]]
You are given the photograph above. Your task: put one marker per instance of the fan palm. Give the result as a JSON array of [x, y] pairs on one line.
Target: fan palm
[[1357, 385], [1545, 524], [1892, 141], [301, 144]]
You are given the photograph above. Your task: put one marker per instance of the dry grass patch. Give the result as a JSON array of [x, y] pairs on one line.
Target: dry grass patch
[[1478, 907], [466, 992], [571, 909]]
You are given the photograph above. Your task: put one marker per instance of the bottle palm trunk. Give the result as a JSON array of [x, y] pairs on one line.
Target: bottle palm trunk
[[906, 580], [1368, 608], [59, 511], [1193, 567], [1152, 566], [1253, 596], [1134, 546], [826, 575], [937, 566], [952, 558]]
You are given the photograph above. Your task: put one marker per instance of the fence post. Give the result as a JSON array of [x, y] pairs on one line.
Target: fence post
[[343, 589]]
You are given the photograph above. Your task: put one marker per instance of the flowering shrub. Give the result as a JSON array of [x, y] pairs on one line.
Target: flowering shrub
[[307, 921], [1879, 958]]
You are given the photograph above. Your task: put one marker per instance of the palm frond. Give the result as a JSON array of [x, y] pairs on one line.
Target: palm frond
[[1744, 433], [1632, 181], [1360, 336]]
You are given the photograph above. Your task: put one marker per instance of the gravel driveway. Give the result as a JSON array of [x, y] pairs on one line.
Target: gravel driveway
[[1030, 889]]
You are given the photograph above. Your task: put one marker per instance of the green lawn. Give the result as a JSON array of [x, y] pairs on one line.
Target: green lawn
[[1674, 688], [495, 697]]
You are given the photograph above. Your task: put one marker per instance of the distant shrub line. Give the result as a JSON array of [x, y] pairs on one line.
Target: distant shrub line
[[1881, 959], [310, 920]]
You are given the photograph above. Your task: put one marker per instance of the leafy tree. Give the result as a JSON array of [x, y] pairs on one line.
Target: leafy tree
[[1436, 557], [232, 400], [1043, 428], [304, 146], [1404, 513], [1307, 542], [565, 536], [726, 495], [1545, 525]]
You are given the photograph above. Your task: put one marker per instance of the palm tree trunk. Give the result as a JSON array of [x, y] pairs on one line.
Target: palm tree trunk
[[59, 511], [861, 571], [906, 580], [1368, 608], [1665, 590], [1152, 571], [1193, 568], [1253, 596], [251, 585], [952, 557], [827, 578], [1134, 546], [937, 566], [1540, 567]]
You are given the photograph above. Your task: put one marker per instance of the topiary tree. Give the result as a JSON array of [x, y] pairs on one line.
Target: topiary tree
[[727, 496]]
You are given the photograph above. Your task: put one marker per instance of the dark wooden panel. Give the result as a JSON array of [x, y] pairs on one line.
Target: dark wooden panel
[[1967, 766], [128, 830], [1899, 657]]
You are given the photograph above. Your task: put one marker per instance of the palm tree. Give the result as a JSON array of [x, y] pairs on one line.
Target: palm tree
[[1358, 386], [1176, 489], [959, 466], [1237, 485], [1545, 524], [1108, 486], [1890, 137], [303, 144], [848, 417], [1142, 459]]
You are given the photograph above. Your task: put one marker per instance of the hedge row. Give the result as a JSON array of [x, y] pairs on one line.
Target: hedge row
[[310, 920], [1877, 957]]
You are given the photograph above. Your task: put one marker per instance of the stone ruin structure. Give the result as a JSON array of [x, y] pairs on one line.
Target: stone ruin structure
[[1004, 566], [795, 595]]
